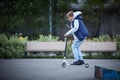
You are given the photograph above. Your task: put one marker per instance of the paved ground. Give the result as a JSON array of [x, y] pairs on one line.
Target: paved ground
[[50, 69]]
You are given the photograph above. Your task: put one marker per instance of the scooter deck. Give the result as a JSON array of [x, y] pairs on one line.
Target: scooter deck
[[84, 65], [65, 64]]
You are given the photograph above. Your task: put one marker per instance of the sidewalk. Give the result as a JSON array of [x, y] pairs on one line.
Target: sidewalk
[[50, 69]]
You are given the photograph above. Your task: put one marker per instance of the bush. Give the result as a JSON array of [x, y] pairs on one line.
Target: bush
[[118, 41], [48, 38], [102, 38], [12, 48]]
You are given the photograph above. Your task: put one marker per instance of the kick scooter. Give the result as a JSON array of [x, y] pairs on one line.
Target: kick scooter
[[65, 62]]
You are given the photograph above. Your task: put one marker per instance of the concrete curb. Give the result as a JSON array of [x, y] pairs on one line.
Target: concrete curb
[[106, 74]]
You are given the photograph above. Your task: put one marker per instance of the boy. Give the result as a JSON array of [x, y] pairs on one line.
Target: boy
[[80, 32]]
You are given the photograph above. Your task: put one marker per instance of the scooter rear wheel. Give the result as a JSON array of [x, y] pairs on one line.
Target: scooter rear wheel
[[86, 65]]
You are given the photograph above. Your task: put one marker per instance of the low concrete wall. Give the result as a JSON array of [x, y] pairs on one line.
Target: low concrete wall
[[60, 46], [98, 47], [45, 46]]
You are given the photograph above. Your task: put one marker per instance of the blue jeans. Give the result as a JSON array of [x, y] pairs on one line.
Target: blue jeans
[[76, 50]]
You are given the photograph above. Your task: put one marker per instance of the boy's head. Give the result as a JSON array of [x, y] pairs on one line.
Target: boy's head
[[69, 15]]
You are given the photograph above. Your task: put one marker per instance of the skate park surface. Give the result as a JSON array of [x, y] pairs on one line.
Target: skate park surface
[[50, 69]]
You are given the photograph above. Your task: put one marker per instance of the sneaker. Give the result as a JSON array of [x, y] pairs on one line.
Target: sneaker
[[81, 62], [75, 63]]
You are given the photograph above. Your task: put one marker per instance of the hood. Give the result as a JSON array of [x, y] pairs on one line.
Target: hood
[[75, 14]]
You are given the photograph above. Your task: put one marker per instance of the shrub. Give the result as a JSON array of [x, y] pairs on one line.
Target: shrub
[[102, 38], [12, 48], [49, 38], [118, 41]]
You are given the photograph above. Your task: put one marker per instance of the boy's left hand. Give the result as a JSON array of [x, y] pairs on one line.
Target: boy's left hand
[[65, 35]]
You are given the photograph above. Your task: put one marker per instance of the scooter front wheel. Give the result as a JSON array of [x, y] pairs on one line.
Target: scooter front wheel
[[63, 65]]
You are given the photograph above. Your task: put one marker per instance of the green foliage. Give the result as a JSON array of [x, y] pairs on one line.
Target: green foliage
[[31, 15], [48, 38], [94, 9], [12, 48], [3, 40], [102, 38], [21, 14], [118, 43], [117, 37], [69, 46], [63, 5], [102, 56]]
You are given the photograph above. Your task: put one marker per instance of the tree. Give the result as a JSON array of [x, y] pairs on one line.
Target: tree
[[31, 16], [60, 8], [94, 9], [23, 15]]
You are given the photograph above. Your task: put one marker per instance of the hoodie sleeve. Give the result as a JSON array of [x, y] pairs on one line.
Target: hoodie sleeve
[[72, 30]]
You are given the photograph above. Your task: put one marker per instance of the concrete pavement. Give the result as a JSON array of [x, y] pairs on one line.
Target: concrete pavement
[[50, 69]]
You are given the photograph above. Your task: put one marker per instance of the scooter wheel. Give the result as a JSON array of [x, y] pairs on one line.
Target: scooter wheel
[[63, 65], [86, 65]]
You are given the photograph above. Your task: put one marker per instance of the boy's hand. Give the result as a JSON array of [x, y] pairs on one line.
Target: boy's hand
[[65, 35]]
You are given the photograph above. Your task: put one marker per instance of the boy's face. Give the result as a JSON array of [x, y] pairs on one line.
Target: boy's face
[[70, 18]]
